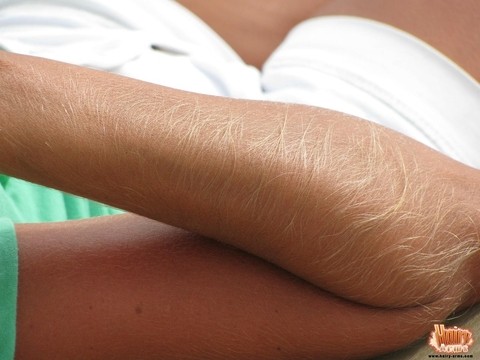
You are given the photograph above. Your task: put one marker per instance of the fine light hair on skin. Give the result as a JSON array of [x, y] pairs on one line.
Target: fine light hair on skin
[[399, 235], [412, 225], [386, 237], [340, 202], [346, 205], [397, 240]]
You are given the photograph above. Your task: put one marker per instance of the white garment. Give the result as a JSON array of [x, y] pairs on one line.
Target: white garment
[[353, 65], [118, 36], [379, 73]]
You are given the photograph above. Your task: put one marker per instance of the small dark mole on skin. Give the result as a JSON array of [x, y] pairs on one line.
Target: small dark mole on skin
[[276, 311], [279, 348], [90, 307], [138, 309]]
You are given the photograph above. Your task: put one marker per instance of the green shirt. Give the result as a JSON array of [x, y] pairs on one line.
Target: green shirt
[[22, 202]]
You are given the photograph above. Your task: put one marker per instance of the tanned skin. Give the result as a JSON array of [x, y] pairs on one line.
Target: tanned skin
[[301, 188]]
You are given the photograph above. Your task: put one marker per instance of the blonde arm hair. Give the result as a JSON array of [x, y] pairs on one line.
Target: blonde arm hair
[[349, 206]]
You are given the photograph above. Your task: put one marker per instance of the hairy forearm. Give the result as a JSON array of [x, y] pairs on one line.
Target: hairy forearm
[[308, 189], [125, 287]]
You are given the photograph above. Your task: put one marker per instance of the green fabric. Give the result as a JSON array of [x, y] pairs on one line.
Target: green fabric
[[22, 202], [8, 288], [25, 202]]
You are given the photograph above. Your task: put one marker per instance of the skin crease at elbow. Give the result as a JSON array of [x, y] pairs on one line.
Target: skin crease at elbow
[[350, 194], [420, 228]]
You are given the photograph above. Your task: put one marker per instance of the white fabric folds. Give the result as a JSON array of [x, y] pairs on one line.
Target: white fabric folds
[[349, 64]]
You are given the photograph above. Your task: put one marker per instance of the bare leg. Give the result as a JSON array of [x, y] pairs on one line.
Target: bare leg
[[453, 27]]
